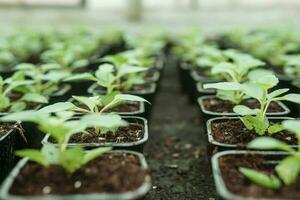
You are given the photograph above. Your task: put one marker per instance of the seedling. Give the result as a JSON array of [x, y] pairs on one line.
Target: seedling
[[95, 104], [113, 77], [46, 77], [258, 88], [61, 127], [7, 86], [287, 170], [292, 66]]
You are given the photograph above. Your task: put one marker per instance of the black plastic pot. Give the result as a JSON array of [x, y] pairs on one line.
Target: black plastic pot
[[7, 155], [139, 193], [218, 146], [223, 192], [134, 146], [63, 94], [206, 114], [148, 95], [154, 78]]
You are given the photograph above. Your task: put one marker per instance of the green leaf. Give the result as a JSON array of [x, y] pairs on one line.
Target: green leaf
[[17, 107], [131, 70], [106, 99], [260, 178], [30, 115], [83, 76], [269, 143], [253, 90], [51, 153], [90, 102], [104, 74], [34, 155], [276, 93], [244, 110], [128, 97], [291, 97], [103, 120], [223, 86], [288, 169], [34, 97], [92, 154], [292, 125], [267, 81], [72, 158], [275, 128], [57, 107]]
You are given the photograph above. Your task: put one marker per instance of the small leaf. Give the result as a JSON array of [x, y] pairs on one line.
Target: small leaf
[[275, 128], [244, 110], [34, 155], [278, 92], [223, 86], [57, 107], [288, 169], [34, 97], [103, 120], [260, 178], [292, 125], [17, 107], [72, 158], [253, 90], [269, 143], [128, 97], [83, 76], [131, 70], [90, 102], [291, 97], [51, 153]]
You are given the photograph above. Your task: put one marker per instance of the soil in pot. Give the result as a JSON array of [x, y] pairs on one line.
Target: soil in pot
[[132, 133], [109, 173], [233, 131], [214, 104], [240, 185]]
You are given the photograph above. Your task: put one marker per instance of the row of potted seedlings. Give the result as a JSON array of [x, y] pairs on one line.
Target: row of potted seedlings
[[241, 104], [86, 142]]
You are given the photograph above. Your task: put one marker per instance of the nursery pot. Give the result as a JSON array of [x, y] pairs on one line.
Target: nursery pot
[[146, 94], [223, 192], [7, 155], [214, 145], [63, 94], [201, 91], [183, 71], [206, 114], [138, 193], [134, 146]]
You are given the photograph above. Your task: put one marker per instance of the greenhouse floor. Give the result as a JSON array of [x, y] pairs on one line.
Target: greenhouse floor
[[176, 150]]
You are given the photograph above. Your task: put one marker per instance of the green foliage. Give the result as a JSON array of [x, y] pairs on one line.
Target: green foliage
[[61, 127], [287, 169], [292, 66]]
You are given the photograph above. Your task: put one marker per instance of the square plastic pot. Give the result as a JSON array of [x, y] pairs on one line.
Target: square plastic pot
[[134, 146], [222, 190], [7, 155], [206, 114], [139, 193], [218, 146]]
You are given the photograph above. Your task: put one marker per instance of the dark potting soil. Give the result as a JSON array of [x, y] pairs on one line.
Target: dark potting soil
[[176, 149], [109, 173], [131, 133], [233, 131], [4, 128], [221, 106], [240, 185]]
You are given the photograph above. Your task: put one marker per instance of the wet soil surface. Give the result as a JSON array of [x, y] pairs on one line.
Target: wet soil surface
[[238, 184], [176, 150], [234, 132], [111, 173]]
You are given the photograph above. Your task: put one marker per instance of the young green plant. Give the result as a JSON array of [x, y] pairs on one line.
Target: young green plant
[[61, 127], [287, 170]]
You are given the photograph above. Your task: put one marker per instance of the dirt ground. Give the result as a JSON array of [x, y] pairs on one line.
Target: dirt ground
[[176, 150]]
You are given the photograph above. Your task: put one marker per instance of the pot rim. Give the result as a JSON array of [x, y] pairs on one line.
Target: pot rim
[[219, 181], [139, 192], [201, 104], [212, 141], [45, 141]]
